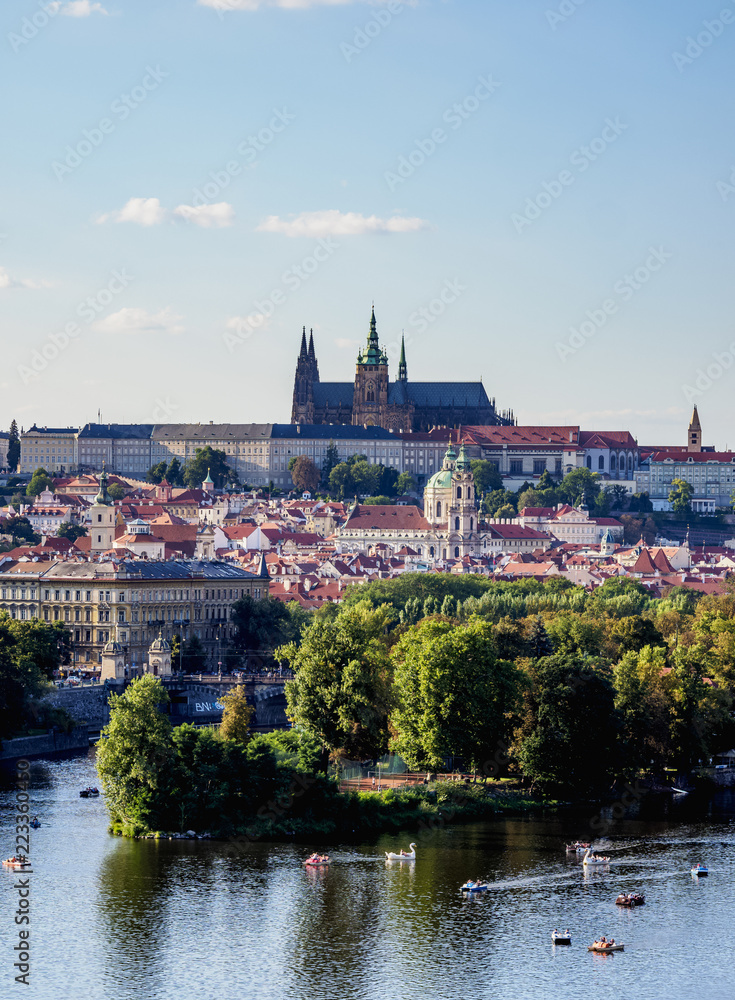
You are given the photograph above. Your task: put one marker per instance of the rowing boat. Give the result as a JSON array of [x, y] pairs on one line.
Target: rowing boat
[[604, 950]]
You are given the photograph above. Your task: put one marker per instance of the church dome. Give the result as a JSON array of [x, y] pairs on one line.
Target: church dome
[[440, 480], [112, 648], [160, 645]]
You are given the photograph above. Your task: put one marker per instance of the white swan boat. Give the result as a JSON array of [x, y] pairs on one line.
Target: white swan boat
[[558, 938], [594, 861], [403, 856]]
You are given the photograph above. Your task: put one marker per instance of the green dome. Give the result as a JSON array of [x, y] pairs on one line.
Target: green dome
[[440, 480]]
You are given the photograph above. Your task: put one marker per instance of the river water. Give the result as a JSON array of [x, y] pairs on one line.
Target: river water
[[182, 920]]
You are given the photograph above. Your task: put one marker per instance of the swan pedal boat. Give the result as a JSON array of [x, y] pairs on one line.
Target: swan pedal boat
[[475, 887], [603, 950], [18, 866], [317, 862], [700, 870], [561, 938], [410, 856], [587, 860]]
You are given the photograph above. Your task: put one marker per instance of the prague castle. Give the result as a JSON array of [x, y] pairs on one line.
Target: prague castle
[[373, 400]]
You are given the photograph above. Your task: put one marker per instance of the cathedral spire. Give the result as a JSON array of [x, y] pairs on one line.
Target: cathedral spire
[[303, 352], [312, 355], [402, 367]]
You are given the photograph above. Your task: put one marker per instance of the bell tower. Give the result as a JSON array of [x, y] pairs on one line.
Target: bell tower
[[462, 523], [694, 434], [102, 519], [370, 399]]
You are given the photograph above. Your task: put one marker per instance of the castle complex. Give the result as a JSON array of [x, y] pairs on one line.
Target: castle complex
[[373, 401]]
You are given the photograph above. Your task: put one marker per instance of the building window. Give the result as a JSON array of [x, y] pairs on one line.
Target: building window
[[456, 524], [456, 551], [589, 461], [539, 466], [516, 466], [438, 508], [459, 492], [601, 462]]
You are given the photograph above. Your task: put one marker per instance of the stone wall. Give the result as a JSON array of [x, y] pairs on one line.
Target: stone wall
[[84, 704], [51, 745]]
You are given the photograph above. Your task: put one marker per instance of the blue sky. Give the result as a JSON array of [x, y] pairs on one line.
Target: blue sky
[[541, 194]]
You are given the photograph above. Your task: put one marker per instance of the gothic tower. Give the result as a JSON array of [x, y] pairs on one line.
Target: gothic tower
[[462, 523], [402, 366], [694, 434], [307, 372], [370, 400]]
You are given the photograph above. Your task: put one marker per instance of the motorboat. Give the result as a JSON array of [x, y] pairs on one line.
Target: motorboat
[[409, 855], [19, 864], [700, 870], [577, 848], [318, 860], [470, 886], [593, 859], [603, 949], [630, 899], [89, 793], [558, 938]]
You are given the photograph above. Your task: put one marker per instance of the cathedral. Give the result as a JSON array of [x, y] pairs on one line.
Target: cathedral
[[373, 400]]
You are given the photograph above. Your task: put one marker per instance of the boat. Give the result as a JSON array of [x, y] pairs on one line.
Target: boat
[[16, 864], [403, 856], [89, 793], [557, 938], [630, 899], [594, 860], [700, 870], [318, 860], [577, 848], [35, 824], [604, 949], [470, 886]]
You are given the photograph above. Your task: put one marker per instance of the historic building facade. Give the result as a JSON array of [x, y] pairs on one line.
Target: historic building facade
[[373, 400]]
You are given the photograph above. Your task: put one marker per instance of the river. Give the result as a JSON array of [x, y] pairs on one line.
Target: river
[[181, 920]]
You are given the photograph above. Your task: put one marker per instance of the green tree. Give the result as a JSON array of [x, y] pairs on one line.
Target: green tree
[[341, 481], [193, 656], [492, 502], [486, 476], [618, 496], [136, 756], [116, 491], [645, 707], [379, 500], [342, 691], [13, 446], [634, 632], [366, 477], [507, 511], [455, 695], [40, 481], [305, 475], [71, 531], [261, 624], [156, 473], [21, 530], [331, 460], [539, 641], [236, 716], [405, 484], [579, 486], [208, 461], [175, 472], [640, 502], [680, 496]]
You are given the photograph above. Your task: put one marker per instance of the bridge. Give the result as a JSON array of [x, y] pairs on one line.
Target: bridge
[[194, 698]]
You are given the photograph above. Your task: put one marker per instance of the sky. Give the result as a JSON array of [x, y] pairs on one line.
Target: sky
[[539, 194]]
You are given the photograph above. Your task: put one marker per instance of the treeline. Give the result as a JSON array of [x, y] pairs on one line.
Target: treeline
[[30, 652], [567, 689]]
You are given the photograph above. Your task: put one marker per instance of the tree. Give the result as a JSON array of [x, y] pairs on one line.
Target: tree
[[156, 473], [305, 475], [640, 502], [634, 632], [579, 486], [644, 704], [492, 502], [261, 624], [13, 446], [680, 496], [342, 692], [379, 500], [236, 716], [30, 652], [366, 477], [175, 473], [21, 530], [116, 491], [136, 756], [538, 639], [341, 481], [71, 531], [193, 656], [455, 694], [331, 459], [618, 496], [208, 461], [405, 484], [40, 481], [486, 476], [507, 511]]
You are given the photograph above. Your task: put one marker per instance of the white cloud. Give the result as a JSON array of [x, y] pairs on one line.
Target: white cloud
[[135, 320], [225, 5], [215, 216], [343, 342], [143, 211], [334, 223], [8, 281], [75, 8]]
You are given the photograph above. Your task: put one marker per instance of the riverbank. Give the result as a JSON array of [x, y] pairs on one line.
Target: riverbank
[[344, 815]]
